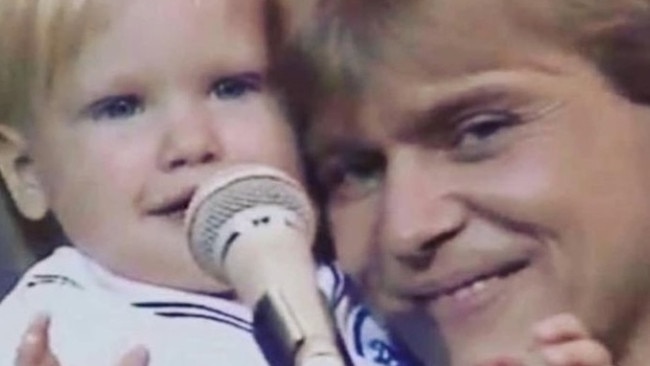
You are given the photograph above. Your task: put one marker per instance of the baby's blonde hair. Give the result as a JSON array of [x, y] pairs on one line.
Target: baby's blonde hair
[[38, 41]]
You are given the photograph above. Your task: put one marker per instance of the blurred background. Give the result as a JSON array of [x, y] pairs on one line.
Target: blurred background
[[22, 242]]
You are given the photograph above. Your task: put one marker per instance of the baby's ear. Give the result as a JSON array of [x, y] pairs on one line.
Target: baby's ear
[[19, 174]]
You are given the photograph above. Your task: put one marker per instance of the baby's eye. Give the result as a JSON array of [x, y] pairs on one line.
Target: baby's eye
[[238, 86], [478, 136], [115, 107]]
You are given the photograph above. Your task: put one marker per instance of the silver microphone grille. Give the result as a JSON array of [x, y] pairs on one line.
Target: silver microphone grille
[[236, 189]]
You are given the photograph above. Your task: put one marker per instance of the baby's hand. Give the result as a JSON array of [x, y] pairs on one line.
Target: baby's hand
[[564, 341], [35, 348]]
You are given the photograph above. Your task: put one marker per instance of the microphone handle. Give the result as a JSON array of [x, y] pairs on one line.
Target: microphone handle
[[279, 336]]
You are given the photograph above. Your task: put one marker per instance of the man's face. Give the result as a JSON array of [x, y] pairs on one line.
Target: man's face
[[489, 195], [158, 101]]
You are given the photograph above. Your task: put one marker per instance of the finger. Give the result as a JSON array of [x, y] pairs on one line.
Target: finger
[[138, 356], [584, 352], [558, 329], [34, 349]]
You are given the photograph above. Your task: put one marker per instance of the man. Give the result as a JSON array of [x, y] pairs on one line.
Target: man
[[487, 167]]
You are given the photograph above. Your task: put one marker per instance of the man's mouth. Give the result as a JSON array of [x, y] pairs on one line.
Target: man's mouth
[[470, 289], [463, 288], [458, 297]]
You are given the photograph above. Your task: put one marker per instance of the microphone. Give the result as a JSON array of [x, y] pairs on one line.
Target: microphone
[[252, 226]]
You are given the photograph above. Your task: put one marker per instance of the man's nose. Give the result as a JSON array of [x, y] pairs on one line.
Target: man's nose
[[422, 209], [190, 138]]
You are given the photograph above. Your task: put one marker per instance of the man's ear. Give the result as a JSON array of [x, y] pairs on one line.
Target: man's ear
[[20, 176]]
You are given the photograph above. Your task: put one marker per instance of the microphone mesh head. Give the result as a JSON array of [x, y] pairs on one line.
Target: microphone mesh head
[[231, 191]]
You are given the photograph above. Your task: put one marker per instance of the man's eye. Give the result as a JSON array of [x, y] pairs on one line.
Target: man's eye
[[478, 136], [233, 87], [353, 177], [115, 107]]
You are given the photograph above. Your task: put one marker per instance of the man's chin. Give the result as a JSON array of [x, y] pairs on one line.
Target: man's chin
[[491, 326], [481, 351]]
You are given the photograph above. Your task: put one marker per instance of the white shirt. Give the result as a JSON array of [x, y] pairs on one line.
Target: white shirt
[[96, 317]]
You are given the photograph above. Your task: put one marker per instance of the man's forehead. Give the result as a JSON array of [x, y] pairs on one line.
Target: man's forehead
[[402, 106], [419, 59], [366, 117]]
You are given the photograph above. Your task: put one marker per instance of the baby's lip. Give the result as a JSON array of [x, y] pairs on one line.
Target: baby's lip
[[173, 205]]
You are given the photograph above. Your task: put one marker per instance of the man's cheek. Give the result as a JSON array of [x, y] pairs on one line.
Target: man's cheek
[[352, 233]]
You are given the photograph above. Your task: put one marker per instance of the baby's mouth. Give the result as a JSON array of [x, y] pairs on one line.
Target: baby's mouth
[[174, 208]]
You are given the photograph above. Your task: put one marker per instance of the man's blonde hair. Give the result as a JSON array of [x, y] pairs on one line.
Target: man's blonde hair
[[337, 47], [38, 41]]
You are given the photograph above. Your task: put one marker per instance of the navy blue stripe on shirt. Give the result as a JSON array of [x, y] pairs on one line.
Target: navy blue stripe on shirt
[[170, 306], [357, 330], [172, 314], [338, 287], [384, 351], [52, 279]]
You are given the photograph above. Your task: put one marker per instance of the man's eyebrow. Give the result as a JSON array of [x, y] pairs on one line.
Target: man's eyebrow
[[431, 120], [442, 113]]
